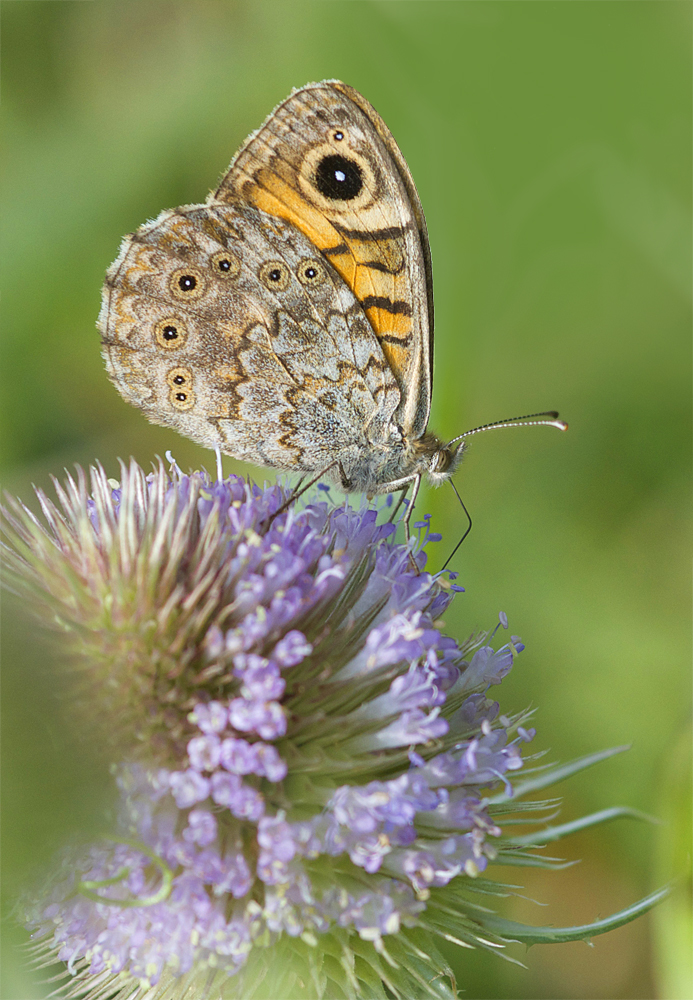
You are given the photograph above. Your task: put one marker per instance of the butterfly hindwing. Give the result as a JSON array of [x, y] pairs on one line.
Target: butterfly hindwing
[[325, 161], [227, 324]]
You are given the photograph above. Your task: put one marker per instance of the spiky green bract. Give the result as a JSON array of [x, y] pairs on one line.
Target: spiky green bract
[[313, 782]]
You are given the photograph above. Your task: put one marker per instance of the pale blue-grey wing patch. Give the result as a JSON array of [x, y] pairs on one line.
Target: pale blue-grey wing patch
[[218, 321]]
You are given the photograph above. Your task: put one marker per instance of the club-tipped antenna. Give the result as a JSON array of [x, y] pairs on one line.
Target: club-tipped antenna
[[547, 419]]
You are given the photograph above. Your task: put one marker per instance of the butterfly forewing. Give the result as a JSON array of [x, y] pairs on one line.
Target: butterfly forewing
[[325, 161]]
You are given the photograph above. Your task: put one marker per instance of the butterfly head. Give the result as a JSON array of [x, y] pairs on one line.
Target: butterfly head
[[438, 460]]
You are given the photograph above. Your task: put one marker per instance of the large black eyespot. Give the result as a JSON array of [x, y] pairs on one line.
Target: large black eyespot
[[338, 178], [170, 333]]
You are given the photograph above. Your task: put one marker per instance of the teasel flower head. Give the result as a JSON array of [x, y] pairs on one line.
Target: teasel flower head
[[312, 779]]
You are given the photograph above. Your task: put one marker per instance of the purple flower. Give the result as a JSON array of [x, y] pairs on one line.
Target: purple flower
[[188, 787], [204, 752], [301, 754], [292, 649], [210, 718], [201, 828]]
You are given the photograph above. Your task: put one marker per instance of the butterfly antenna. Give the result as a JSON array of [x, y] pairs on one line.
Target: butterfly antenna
[[469, 526], [547, 419]]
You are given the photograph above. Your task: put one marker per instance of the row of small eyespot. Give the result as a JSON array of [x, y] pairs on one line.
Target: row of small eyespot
[[181, 394], [188, 283], [170, 333]]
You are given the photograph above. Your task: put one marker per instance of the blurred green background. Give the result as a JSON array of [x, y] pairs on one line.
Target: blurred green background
[[551, 146]]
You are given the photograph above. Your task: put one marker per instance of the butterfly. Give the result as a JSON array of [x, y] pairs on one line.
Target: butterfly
[[288, 320]]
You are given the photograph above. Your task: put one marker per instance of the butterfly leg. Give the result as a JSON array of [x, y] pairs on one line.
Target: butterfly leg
[[407, 518], [220, 471], [410, 509], [303, 487], [402, 494]]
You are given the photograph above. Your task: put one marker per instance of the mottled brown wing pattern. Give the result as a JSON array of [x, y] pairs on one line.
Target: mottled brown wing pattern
[[227, 325], [325, 161]]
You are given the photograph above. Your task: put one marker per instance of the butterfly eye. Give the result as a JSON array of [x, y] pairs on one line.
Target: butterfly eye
[[311, 273], [186, 284], [225, 264], [170, 333], [338, 178], [275, 275]]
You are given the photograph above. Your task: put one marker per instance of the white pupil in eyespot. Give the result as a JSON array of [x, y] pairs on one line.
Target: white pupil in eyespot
[[339, 175]]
